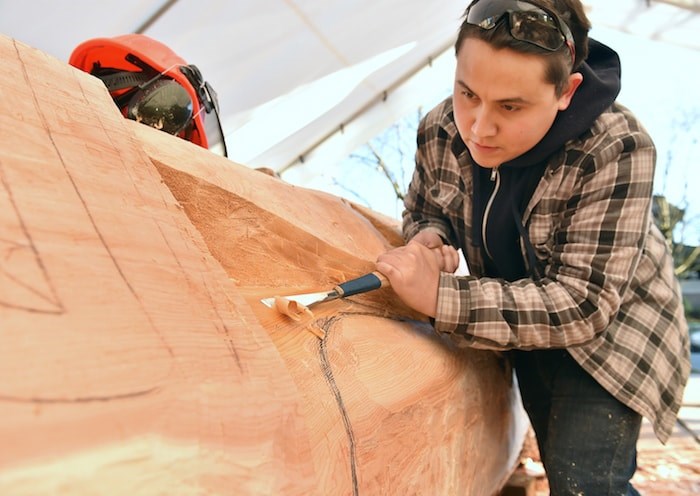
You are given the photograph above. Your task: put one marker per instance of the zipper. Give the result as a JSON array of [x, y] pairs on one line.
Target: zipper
[[495, 176]]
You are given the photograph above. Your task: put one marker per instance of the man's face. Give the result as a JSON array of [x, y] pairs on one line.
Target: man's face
[[502, 104]]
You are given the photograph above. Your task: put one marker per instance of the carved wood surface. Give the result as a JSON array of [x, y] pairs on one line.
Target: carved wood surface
[[136, 357]]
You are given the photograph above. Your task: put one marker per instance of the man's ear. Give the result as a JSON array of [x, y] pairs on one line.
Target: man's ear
[[575, 81]]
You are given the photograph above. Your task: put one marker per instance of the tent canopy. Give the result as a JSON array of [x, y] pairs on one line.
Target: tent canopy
[[294, 75]]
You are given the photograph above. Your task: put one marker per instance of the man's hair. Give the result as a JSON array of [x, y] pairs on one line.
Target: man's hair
[[558, 62]]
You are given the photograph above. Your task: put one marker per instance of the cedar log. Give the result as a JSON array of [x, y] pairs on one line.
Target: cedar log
[[136, 357]]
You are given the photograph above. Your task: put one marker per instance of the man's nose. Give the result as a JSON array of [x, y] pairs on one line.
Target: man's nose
[[484, 124]]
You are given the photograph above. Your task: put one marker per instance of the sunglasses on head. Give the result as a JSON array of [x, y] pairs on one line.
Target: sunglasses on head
[[527, 22]]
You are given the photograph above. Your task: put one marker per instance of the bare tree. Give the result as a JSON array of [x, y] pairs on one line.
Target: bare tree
[[389, 157], [673, 219], [668, 217]]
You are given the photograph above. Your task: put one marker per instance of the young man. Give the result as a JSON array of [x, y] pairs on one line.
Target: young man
[[545, 183]]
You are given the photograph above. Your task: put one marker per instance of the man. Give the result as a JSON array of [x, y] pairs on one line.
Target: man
[[545, 183]]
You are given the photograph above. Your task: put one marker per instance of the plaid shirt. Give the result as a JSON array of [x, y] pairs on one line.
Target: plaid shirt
[[609, 294]]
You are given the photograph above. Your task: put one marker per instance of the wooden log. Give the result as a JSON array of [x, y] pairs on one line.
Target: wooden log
[[136, 357]]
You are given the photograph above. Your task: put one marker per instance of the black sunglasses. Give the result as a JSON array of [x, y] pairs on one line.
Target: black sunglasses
[[527, 22]]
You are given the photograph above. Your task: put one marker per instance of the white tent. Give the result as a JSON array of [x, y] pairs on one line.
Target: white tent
[[299, 79]]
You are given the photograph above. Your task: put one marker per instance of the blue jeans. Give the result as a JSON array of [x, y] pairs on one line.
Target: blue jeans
[[587, 439]]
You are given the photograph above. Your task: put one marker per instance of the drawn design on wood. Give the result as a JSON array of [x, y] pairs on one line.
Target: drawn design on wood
[[325, 326], [24, 282], [327, 370]]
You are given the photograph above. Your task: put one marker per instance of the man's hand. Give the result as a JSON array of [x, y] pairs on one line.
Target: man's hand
[[414, 273], [449, 257]]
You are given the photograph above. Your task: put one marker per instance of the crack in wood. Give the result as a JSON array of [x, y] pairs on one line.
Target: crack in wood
[[326, 325], [79, 399]]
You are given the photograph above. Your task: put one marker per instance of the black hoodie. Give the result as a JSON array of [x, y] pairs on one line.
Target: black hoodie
[[519, 177]]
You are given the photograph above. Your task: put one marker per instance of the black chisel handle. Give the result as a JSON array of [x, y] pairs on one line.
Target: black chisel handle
[[368, 282]]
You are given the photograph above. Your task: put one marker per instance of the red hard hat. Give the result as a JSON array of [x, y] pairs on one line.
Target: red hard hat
[[146, 80]]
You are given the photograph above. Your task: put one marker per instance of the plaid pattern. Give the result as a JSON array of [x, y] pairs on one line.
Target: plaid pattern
[[608, 295]]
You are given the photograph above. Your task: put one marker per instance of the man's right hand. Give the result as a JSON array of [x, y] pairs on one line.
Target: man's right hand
[[414, 273]]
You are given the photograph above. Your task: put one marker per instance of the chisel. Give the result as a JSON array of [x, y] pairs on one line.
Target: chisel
[[362, 284]]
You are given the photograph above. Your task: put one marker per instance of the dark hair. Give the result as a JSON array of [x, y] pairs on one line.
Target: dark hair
[[558, 62]]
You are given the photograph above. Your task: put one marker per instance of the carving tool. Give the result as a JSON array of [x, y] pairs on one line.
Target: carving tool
[[362, 284]]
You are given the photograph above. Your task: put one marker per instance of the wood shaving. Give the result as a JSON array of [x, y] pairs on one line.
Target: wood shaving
[[292, 309]]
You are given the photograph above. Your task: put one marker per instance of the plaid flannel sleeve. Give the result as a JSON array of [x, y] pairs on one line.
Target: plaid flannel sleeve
[[423, 210]]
